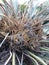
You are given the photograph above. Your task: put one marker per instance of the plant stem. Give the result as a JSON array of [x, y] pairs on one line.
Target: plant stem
[[13, 58]]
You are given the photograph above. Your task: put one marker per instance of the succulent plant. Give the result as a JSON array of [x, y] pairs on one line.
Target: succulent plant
[[20, 36]]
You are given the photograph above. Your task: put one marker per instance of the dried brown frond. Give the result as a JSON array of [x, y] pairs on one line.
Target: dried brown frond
[[23, 32]]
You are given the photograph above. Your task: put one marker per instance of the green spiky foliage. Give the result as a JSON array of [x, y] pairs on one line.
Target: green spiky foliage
[[21, 37], [22, 7]]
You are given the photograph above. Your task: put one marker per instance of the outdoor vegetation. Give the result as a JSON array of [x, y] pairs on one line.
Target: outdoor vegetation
[[24, 33]]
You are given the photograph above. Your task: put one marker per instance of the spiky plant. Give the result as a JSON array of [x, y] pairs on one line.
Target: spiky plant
[[20, 35]]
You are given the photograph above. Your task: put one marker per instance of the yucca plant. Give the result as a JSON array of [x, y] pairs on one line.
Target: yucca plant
[[21, 36]]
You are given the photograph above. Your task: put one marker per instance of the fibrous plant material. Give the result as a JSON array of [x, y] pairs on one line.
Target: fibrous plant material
[[19, 34]]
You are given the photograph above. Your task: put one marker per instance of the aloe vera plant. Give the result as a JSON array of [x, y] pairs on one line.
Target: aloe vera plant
[[21, 34]]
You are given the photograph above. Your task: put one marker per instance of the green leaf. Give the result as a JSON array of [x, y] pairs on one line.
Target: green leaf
[[33, 60], [13, 59], [37, 58], [45, 41], [44, 48]]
